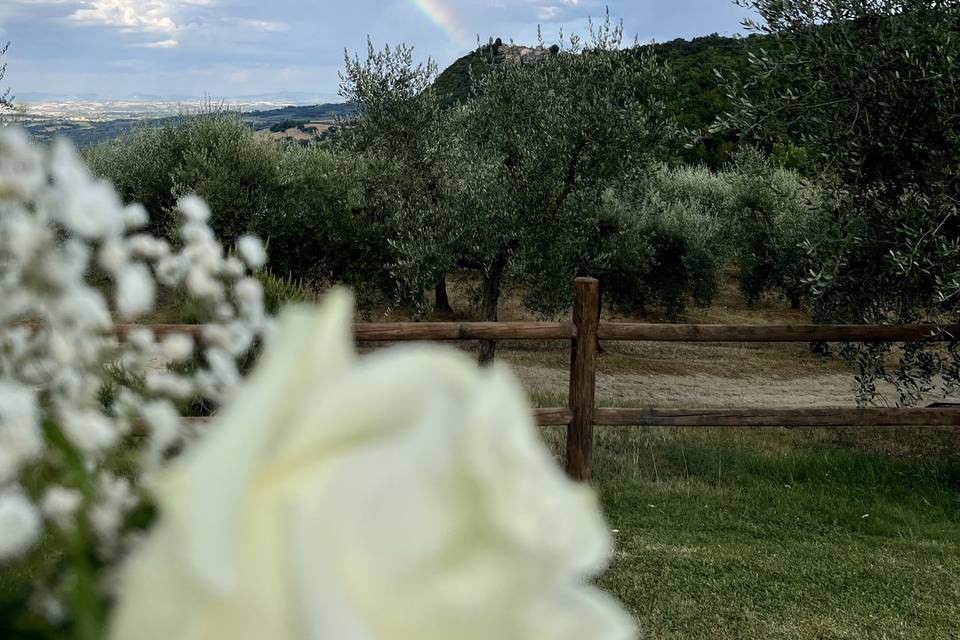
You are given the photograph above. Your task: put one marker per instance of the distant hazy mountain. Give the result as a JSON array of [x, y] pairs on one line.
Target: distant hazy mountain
[[299, 98], [90, 122]]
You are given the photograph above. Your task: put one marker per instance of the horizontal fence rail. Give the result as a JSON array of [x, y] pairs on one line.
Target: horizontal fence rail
[[615, 331], [443, 331], [776, 333], [828, 417], [584, 332]]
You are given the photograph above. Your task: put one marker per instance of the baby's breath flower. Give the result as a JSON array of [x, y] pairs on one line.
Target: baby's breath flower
[[21, 168], [20, 437], [60, 504], [64, 372], [164, 422], [177, 347], [169, 385], [135, 216], [194, 209], [19, 523], [203, 285], [115, 498], [252, 252], [148, 247], [113, 255], [136, 290], [89, 430]]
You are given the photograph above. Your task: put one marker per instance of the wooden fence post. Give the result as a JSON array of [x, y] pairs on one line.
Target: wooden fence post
[[583, 378]]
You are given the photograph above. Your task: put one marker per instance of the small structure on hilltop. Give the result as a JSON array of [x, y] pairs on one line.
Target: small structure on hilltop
[[518, 54]]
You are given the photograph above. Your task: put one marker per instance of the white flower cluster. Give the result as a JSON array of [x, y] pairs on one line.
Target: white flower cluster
[[72, 259]]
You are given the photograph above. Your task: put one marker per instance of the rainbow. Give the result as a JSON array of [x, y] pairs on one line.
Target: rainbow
[[443, 17]]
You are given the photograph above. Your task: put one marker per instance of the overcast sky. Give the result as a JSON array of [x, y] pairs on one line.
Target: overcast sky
[[229, 48]]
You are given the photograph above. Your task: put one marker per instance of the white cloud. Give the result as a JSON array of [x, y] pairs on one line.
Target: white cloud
[[265, 25], [162, 44], [151, 16]]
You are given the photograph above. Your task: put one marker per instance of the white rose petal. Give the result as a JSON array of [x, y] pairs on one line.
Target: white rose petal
[[406, 496]]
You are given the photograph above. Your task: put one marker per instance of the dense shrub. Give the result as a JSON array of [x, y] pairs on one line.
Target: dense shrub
[[669, 248], [325, 216], [211, 154], [667, 234], [337, 220], [772, 215]]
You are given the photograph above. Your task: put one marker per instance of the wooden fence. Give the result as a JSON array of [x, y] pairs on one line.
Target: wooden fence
[[585, 329]]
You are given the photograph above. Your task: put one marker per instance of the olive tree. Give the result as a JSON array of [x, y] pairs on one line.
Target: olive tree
[[5, 100], [399, 121], [530, 155], [869, 87]]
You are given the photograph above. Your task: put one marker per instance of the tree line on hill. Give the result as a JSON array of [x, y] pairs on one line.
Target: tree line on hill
[[819, 157]]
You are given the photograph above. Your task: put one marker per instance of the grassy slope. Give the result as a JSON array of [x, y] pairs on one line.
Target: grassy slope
[[760, 533], [774, 534], [771, 533]]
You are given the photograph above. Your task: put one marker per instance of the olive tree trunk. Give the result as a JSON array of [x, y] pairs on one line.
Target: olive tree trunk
[[441, 303], [492, 282]]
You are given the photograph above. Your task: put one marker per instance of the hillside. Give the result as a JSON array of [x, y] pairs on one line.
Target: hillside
[[454, 82], [698, 96]]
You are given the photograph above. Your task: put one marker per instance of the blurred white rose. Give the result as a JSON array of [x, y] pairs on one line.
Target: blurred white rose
[[399, 496]]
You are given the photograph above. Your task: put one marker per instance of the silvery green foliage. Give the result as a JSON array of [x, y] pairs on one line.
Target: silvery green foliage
[[528, 158], [396, 109], [401, 125], [73, 261], [868, 89], [772, 212], [663, 239], [5, 100], [668, 231]]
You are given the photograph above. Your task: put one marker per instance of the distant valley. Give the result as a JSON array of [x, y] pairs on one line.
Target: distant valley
[[89, 121]]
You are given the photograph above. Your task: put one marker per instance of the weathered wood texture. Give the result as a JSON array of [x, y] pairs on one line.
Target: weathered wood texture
[[586, 329], [444, 331], [829, 417], [411, 331], [776, 333], [440, 331], [556, 417], [552, 417], [583, 375]]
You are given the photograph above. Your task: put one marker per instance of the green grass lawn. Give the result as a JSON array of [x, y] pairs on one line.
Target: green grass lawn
[[746, 533], [761, 533]]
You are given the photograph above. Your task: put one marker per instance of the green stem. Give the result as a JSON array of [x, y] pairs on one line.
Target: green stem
[[85, 603]]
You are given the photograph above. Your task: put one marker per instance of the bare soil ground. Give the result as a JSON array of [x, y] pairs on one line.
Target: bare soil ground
[[675, 375]]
